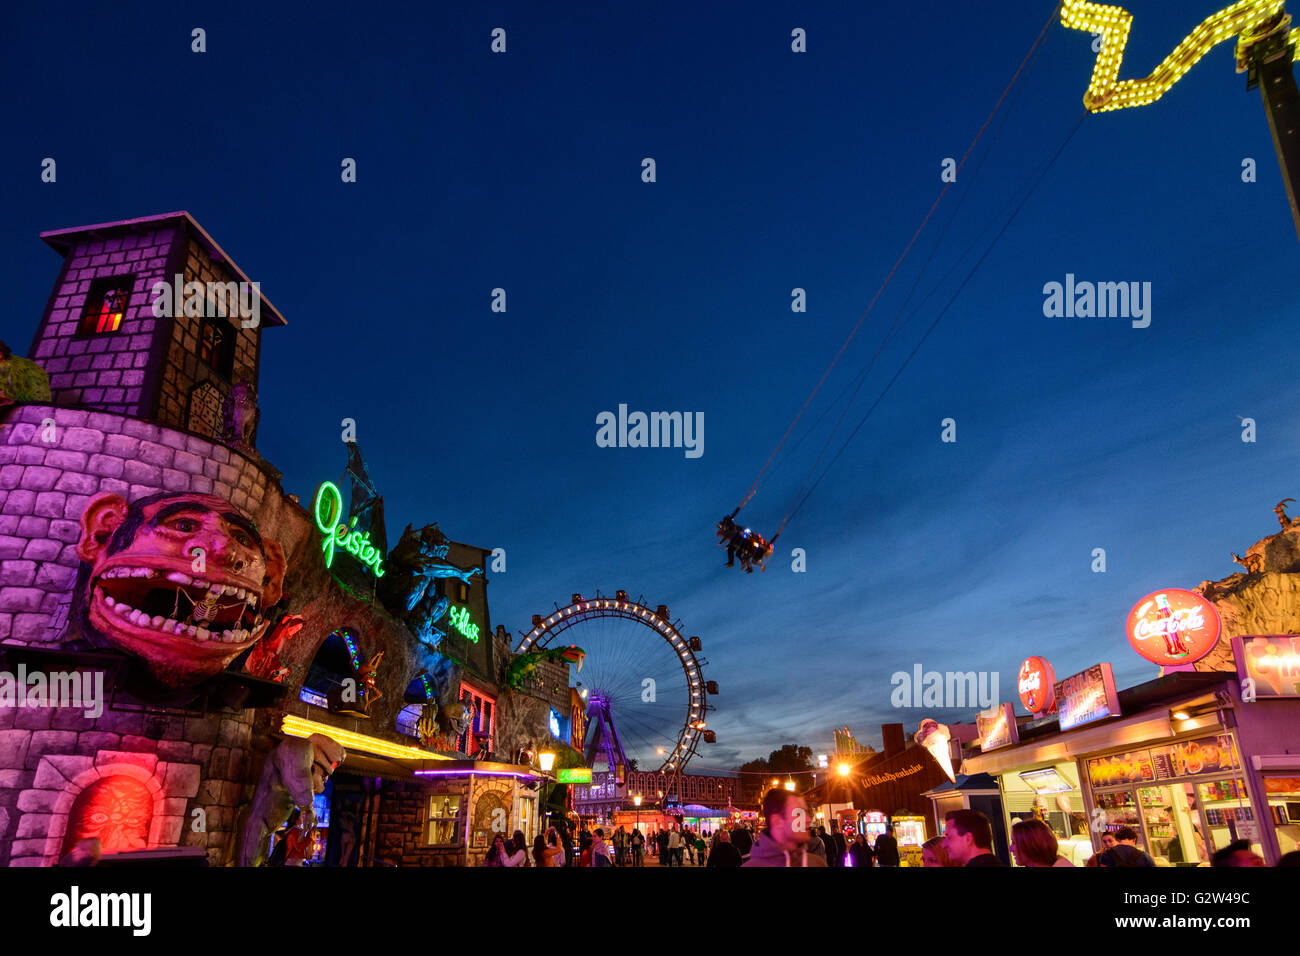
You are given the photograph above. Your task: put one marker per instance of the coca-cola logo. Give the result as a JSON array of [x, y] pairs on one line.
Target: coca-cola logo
[[1173, 627], [1036, 685]]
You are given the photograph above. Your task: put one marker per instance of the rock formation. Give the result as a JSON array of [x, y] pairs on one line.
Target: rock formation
[[1266, 601]]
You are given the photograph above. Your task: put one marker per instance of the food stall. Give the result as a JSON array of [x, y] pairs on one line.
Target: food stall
[[1181, 759]]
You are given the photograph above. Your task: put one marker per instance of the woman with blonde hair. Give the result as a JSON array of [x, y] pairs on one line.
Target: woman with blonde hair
[[934, 854], [1034, 844]]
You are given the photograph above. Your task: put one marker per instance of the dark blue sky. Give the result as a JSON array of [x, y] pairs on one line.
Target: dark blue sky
[[775, 170]]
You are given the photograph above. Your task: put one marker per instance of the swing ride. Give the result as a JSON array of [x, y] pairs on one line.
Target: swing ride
[[1267, 46]]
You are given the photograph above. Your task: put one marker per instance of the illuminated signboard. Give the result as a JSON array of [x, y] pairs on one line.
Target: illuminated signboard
[[1271, 662], [1087, 696], [459, 617], [1108, 92], [1037, 685], [328, 510], [573, 775], [1047, 780], [1173, 627], [998, 729]]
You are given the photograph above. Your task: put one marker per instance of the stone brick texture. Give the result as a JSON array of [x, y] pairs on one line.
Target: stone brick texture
[[52, 460], [105, 370], [403, 826], [185, 373], [108, 371], [40, 766]]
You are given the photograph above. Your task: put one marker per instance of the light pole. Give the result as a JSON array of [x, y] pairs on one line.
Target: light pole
[[545, 760]]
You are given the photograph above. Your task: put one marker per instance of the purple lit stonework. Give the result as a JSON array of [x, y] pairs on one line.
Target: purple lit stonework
[[147, 546]]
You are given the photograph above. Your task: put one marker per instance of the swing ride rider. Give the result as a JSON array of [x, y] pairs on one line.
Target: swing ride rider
[[751, 547]]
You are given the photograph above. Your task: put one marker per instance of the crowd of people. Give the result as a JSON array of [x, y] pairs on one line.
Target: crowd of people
[[788, 840]]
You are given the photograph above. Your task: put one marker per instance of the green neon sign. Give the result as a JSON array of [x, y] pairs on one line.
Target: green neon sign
[[339, 534], [459, 617], [573, 775]]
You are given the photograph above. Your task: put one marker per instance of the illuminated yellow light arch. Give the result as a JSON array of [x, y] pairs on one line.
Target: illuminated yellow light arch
[[1108, 92]]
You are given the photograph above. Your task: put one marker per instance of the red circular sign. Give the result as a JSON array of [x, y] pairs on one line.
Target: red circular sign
[[1173, 626], [1036, 685]]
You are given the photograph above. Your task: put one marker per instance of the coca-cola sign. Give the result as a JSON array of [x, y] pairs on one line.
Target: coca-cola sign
[[1035, 685], [1173, 627]]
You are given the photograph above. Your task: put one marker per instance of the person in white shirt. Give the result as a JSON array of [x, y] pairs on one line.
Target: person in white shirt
[[516, 850]]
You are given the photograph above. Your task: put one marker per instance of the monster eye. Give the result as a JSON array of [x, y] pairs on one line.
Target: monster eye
[[242, 537], [183, 525]]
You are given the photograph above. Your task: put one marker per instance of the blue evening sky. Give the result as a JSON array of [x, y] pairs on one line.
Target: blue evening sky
[[775, 170]]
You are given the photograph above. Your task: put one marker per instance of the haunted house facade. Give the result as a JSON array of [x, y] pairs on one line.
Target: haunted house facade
[[211, 656]]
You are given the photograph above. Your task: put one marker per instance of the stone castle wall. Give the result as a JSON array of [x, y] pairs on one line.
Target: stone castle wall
[[44, 486], [105, 370], [48, 756]]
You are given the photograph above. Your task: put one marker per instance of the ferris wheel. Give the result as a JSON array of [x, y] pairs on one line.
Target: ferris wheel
[[642, 680]]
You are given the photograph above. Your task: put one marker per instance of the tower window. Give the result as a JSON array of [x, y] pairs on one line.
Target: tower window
[[216, 346], [105, 305]]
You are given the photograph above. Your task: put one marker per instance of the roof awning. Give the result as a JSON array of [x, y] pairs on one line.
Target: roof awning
[[368, 765]]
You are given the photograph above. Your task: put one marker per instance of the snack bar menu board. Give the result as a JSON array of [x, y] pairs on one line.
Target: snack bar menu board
[[1193, 757], [1188, 758], [1111, 771]]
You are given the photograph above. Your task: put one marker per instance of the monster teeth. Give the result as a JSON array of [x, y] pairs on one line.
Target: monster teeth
[[121, 610], [200, 583], [179, 578], [202, 634], [190, 630], [216, 590], [109, 601]]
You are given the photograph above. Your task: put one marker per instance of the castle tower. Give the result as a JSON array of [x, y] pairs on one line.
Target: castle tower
[[111, 341]]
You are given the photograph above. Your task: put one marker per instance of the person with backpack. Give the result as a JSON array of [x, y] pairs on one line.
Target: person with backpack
[[1125, 852]]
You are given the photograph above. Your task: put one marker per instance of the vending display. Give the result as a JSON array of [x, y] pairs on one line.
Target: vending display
[[1118, 810], [909, 830], [874, 824]]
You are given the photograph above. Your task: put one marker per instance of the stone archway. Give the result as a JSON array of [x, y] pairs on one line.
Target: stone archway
[[140, 799], [117, 810]]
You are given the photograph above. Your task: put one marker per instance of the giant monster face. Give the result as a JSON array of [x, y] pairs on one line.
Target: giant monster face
[[181, 581]]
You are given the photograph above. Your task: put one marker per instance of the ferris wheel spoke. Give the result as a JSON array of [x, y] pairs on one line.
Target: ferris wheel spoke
[[634, 665]]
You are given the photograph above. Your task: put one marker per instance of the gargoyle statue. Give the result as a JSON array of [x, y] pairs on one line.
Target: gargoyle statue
[[408, 590], [294, 773], [239, 415], [442, 732], [1253, 563]]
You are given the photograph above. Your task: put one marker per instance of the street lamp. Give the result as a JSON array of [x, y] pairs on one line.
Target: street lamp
[[545, 760], [789, 784], [844, 770]]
